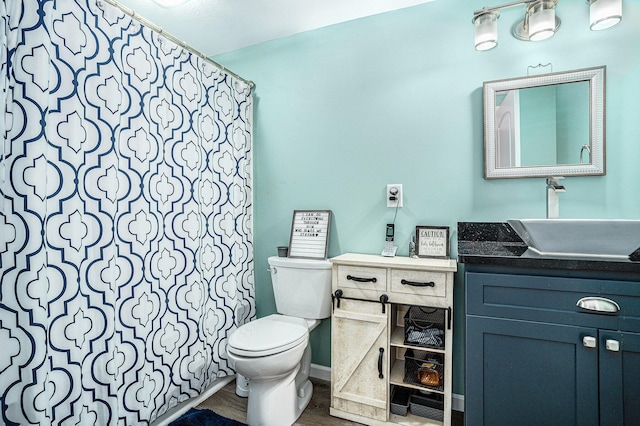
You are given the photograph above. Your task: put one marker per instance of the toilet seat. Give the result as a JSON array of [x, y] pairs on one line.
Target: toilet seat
[[269, 335]]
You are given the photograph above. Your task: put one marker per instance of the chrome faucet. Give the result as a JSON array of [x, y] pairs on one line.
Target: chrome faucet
[[553, 196]]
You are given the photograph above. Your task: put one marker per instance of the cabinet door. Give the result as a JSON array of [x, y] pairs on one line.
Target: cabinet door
[[359, 358], [619, 378], [528, 373]]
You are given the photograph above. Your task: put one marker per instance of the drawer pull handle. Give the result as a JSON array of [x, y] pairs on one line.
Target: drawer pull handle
[[380, 375], [417, 284], [589, 342], [361, 280], [598, 305]]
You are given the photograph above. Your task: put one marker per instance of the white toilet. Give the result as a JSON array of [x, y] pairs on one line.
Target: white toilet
[[273, 352]]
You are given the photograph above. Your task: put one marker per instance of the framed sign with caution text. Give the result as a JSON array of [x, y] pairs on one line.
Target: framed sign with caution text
[[432, 241]]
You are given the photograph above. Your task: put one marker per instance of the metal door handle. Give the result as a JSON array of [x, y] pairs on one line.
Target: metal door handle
[[612, 345], [589, 341], [380, 375], [598, 305]]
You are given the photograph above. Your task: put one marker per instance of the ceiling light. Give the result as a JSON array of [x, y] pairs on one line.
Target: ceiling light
[[540, 20], [604, 14], [170, 3]]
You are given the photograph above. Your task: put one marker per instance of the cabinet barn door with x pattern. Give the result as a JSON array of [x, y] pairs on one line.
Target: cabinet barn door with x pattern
[[359, 373]]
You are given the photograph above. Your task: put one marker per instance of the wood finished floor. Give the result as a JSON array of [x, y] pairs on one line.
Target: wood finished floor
[[226, 403]]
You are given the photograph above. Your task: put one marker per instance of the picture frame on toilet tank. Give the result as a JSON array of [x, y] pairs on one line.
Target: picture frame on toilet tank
[[432, 241], [310, 234]]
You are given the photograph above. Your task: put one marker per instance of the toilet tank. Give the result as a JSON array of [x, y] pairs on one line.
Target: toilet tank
[[301, 287]]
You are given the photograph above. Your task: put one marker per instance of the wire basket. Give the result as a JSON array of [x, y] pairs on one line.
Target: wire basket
[[429, 406], [424, 327], [400, 400], [424, 369]]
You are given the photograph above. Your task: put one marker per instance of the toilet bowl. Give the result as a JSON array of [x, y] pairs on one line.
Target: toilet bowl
[[273, 353]]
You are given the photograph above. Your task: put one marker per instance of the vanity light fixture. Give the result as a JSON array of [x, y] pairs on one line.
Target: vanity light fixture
[[486, 30], [540, 21], [604, 14]]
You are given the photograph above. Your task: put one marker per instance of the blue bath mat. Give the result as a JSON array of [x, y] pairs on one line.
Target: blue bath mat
[[204, 417]]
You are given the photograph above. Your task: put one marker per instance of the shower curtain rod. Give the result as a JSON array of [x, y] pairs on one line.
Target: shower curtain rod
[[159, 30]]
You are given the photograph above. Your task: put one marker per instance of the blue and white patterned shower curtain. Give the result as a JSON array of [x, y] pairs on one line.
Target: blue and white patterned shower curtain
[[125, 216]]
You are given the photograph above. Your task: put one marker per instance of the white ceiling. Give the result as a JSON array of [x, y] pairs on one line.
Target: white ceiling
[[217, 26]]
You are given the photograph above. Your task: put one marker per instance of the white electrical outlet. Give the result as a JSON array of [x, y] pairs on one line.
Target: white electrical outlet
[[394, 195]]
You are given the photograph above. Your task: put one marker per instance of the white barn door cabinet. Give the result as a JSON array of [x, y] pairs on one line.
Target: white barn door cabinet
[[392, 337]]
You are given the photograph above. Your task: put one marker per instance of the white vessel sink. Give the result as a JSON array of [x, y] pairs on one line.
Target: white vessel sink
[[605, 238]]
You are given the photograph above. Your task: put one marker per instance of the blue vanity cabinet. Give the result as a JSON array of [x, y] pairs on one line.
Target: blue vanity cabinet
[[528, 373], [533, 357], [620, 379]]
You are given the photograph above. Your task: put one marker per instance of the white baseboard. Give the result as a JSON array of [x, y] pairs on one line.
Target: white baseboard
[[457, 402], [324, 373], [320, 372]]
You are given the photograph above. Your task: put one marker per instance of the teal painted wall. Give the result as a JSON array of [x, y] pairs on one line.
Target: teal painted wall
[[397, 98]]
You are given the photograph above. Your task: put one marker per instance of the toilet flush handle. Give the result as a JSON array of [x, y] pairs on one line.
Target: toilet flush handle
[[272, 270]]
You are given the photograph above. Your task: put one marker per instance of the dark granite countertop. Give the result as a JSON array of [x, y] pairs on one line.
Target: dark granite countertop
[[497, 244]]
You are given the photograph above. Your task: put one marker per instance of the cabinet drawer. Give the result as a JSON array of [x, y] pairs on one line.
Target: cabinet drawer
[[551, 299], [420, 283], [362, 277]]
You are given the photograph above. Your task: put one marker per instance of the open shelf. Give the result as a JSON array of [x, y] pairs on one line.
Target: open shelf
[[413, 420], [397, 340], [397, 378]]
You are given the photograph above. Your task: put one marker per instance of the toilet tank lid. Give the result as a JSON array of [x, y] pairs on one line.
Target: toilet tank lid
[[290, 262]]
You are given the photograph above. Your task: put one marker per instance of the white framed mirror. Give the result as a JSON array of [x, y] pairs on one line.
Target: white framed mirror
[[545, 125]]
